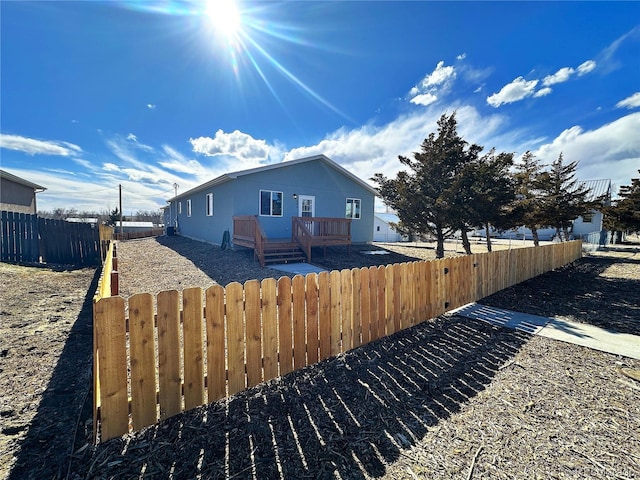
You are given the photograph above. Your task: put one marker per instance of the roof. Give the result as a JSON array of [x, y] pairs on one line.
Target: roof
[[14, 178], [126, 223], [82, 219], [233, 175], [598, 188], [387, 217]]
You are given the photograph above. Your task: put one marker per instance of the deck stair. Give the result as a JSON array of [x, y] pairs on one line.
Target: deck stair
[[282, 251], [306, 232]]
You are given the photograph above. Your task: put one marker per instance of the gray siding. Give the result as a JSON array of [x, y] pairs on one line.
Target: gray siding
[[15, 197]]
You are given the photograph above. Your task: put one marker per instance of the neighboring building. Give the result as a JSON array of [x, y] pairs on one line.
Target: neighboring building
[[594, 221], [589, 224], [90, 220], [383, 230], [133, 227], [313, 187], [17, 194]]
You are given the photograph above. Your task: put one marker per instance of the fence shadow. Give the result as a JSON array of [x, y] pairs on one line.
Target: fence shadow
[[579, 291], [350, 415], [49, 441]]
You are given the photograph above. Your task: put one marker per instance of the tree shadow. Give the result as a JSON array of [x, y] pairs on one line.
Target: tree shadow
[[357, 256], [44, 452], [239, 264], [580, 292], [348, 416]]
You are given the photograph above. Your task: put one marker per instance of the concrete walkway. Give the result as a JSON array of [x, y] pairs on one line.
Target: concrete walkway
[[297, 268], [582, 334]]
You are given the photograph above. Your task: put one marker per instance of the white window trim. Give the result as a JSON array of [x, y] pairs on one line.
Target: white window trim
[[189, 208], [353, 210], [179, 208], [209, 204], [271, 192]]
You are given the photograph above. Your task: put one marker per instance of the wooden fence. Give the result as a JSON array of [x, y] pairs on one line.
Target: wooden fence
[[19, 240], [198, 347], [26, 238], [154, 232]]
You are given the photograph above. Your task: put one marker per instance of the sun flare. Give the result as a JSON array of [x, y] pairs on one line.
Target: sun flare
[[224, 16]]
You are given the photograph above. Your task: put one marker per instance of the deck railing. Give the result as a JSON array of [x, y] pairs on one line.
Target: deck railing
[[320, 231], [248, 232]]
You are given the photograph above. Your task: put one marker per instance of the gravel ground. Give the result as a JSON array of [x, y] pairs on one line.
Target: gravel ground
[[449, 398]]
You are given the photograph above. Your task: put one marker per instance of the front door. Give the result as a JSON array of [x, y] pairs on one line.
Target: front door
[[307, 208]]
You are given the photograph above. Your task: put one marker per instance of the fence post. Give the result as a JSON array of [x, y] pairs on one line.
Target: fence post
[[112, 356]]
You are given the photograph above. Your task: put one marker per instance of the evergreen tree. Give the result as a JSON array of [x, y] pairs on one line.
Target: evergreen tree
[[482, 195], [114, 217], [493, 192], [624, 215], [565, 199], [527, 208], [423, 197]]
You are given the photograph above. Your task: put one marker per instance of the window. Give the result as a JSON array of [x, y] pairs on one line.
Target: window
[[353, 208], [378, 228], [587, 218], [270, 203], [209, 204], [189, 208], [179, 208]]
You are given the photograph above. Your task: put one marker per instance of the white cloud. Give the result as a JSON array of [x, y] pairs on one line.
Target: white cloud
[[560, 76], [368, 150], [33, 146], [424, 99], [132, 137], [630, 102], [432, 86], [607, 58], [586, 67], [177, 162], [513, 92], [111, 167], [151, 106], [235, 144], [441, 75], [462, 56], [543, 92], [611, 151]]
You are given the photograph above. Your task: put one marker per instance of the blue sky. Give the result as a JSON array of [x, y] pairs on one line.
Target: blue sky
[[148, 94]]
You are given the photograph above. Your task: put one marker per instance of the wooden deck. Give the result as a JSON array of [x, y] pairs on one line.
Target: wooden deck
[[306, 232]]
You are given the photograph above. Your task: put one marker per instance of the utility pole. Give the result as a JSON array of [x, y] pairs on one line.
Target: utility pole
[[120, 191], [175, 221]]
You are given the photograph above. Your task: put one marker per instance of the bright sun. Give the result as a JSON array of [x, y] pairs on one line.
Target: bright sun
[[224, 16]]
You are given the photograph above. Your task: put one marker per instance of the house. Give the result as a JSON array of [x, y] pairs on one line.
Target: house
[[17, 194], [586, 227], [285, 207], [593, 221], [383, 230]]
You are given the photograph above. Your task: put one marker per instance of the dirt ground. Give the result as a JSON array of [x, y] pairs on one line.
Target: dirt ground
[[449, 398], [45, 366]]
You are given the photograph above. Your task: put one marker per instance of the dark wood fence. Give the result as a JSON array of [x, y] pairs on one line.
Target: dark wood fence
[[19, 237], [26, 239], [153, 232]]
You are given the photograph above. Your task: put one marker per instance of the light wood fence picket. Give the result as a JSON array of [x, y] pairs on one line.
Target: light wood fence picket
[[152, 365]]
